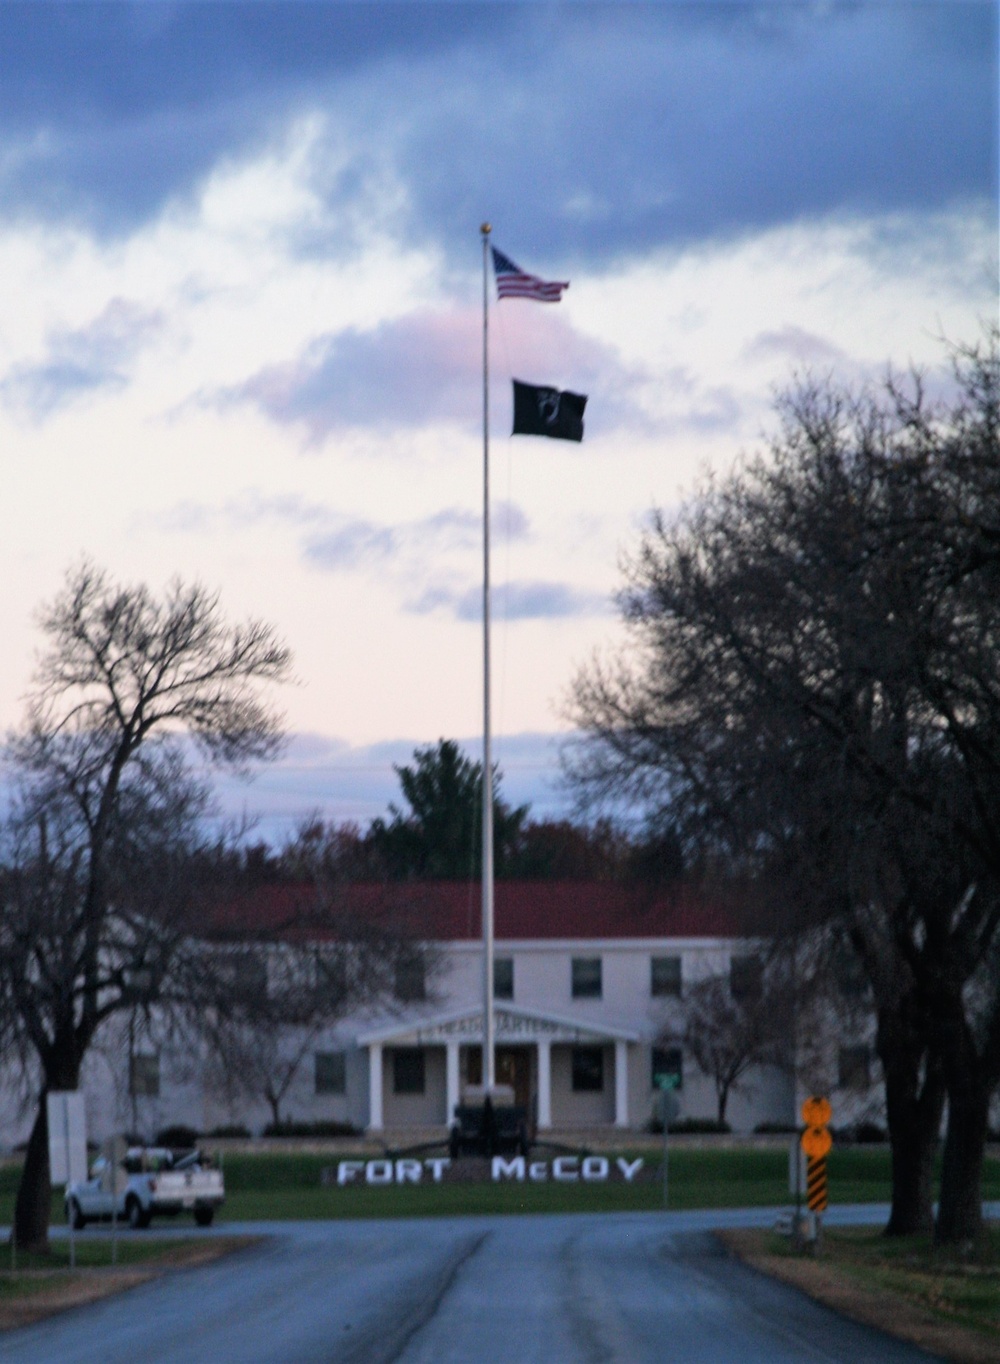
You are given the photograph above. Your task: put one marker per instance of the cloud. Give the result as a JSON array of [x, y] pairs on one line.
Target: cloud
[[244, 511], [410, 370], [109, 113], [354, 544], [337, 542], [513, 601], [81, 360], [615, 129], [594, 130], [796, 344], [424, 369]]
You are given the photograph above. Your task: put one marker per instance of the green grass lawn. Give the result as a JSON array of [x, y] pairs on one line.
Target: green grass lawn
[[963, 1288], [41, 1284], [95, 1253], [280, 1186]]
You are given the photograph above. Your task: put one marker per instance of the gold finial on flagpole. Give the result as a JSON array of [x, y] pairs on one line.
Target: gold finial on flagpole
[[486, 229]]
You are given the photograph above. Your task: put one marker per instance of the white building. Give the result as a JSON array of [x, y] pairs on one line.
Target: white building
[[589, 979]]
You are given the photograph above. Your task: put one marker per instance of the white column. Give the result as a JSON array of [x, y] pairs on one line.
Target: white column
[[544, 1082], [375, 1086], [451, 1079], [621, 1084]]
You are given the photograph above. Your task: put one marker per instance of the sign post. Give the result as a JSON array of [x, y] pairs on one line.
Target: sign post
[[669, 1109], [796, 1187], [816, 1142], [67, 1124], [113, 1152]]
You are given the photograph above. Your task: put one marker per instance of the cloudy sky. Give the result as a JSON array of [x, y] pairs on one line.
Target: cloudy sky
[[240, 313]]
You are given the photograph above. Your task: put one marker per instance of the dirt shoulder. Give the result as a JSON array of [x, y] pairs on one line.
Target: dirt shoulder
[[830, 1280], [28, 1295]]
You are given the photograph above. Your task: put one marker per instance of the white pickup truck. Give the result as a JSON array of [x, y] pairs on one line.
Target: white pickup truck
[[151, 1181]]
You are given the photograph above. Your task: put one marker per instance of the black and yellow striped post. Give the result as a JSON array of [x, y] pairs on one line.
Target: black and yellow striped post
[[816, 1188], [816, 1142]]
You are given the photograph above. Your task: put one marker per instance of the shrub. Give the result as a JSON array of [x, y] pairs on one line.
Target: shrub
[[177, 1137], [863, 1133], [775, 1129], [323, 1128], [230, 1129], [691, 1126], [700, 1125]]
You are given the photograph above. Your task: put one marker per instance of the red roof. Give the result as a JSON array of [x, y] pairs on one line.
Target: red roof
[[449, 911]]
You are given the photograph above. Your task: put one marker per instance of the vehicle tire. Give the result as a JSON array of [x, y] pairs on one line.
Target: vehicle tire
[[137, 1219], [75, 1216], [203, 1216]]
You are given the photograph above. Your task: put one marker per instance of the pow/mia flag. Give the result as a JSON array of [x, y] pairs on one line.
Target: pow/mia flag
[[547, 412]]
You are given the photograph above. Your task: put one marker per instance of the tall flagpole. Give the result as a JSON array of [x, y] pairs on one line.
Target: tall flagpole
[[489, 1069]]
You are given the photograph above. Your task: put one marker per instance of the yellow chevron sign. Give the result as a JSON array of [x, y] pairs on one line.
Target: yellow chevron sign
[[816, 1193]]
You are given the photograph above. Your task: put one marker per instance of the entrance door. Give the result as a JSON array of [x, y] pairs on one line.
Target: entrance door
[[513, 1067]]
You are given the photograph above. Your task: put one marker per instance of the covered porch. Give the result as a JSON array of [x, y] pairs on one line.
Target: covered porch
[[563, 1072]]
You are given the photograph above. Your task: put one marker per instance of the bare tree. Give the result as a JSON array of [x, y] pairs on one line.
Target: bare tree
[[104, 871], [730, 1033], [812, 688], [291, 960], [279, 999], [254, 1061]]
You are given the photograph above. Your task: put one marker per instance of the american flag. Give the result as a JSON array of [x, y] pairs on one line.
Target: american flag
[[512, 282]]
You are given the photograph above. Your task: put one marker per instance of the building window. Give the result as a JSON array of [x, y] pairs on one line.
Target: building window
[[411, 986], [586, 978], [408, 1071], [144, 1075], [665, 976], [668, 1061], [503, 977], [854, 1067], [331, 1072], [746, 977], [248, 974], [588, 1070]]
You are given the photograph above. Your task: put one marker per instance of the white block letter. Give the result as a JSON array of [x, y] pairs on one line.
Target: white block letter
[[436, 1164], [347, 1169], [378, 1172], [630, 1168], [538, 1170], [595, 1167], [408, 1171], [564, 1167], [508, 1169]]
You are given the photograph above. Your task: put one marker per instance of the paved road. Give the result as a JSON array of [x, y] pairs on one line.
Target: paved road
[[579, 1289]]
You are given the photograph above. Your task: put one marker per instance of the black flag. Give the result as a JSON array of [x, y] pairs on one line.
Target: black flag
[[548, 412]]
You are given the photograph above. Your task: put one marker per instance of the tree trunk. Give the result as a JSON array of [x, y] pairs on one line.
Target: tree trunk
[[913, 1182], [275, 1105], [914, 1106], [960, 1211], [722, 1094], [34, 1194]]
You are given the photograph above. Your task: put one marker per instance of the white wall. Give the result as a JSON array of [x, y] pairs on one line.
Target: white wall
[[542, 983]]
